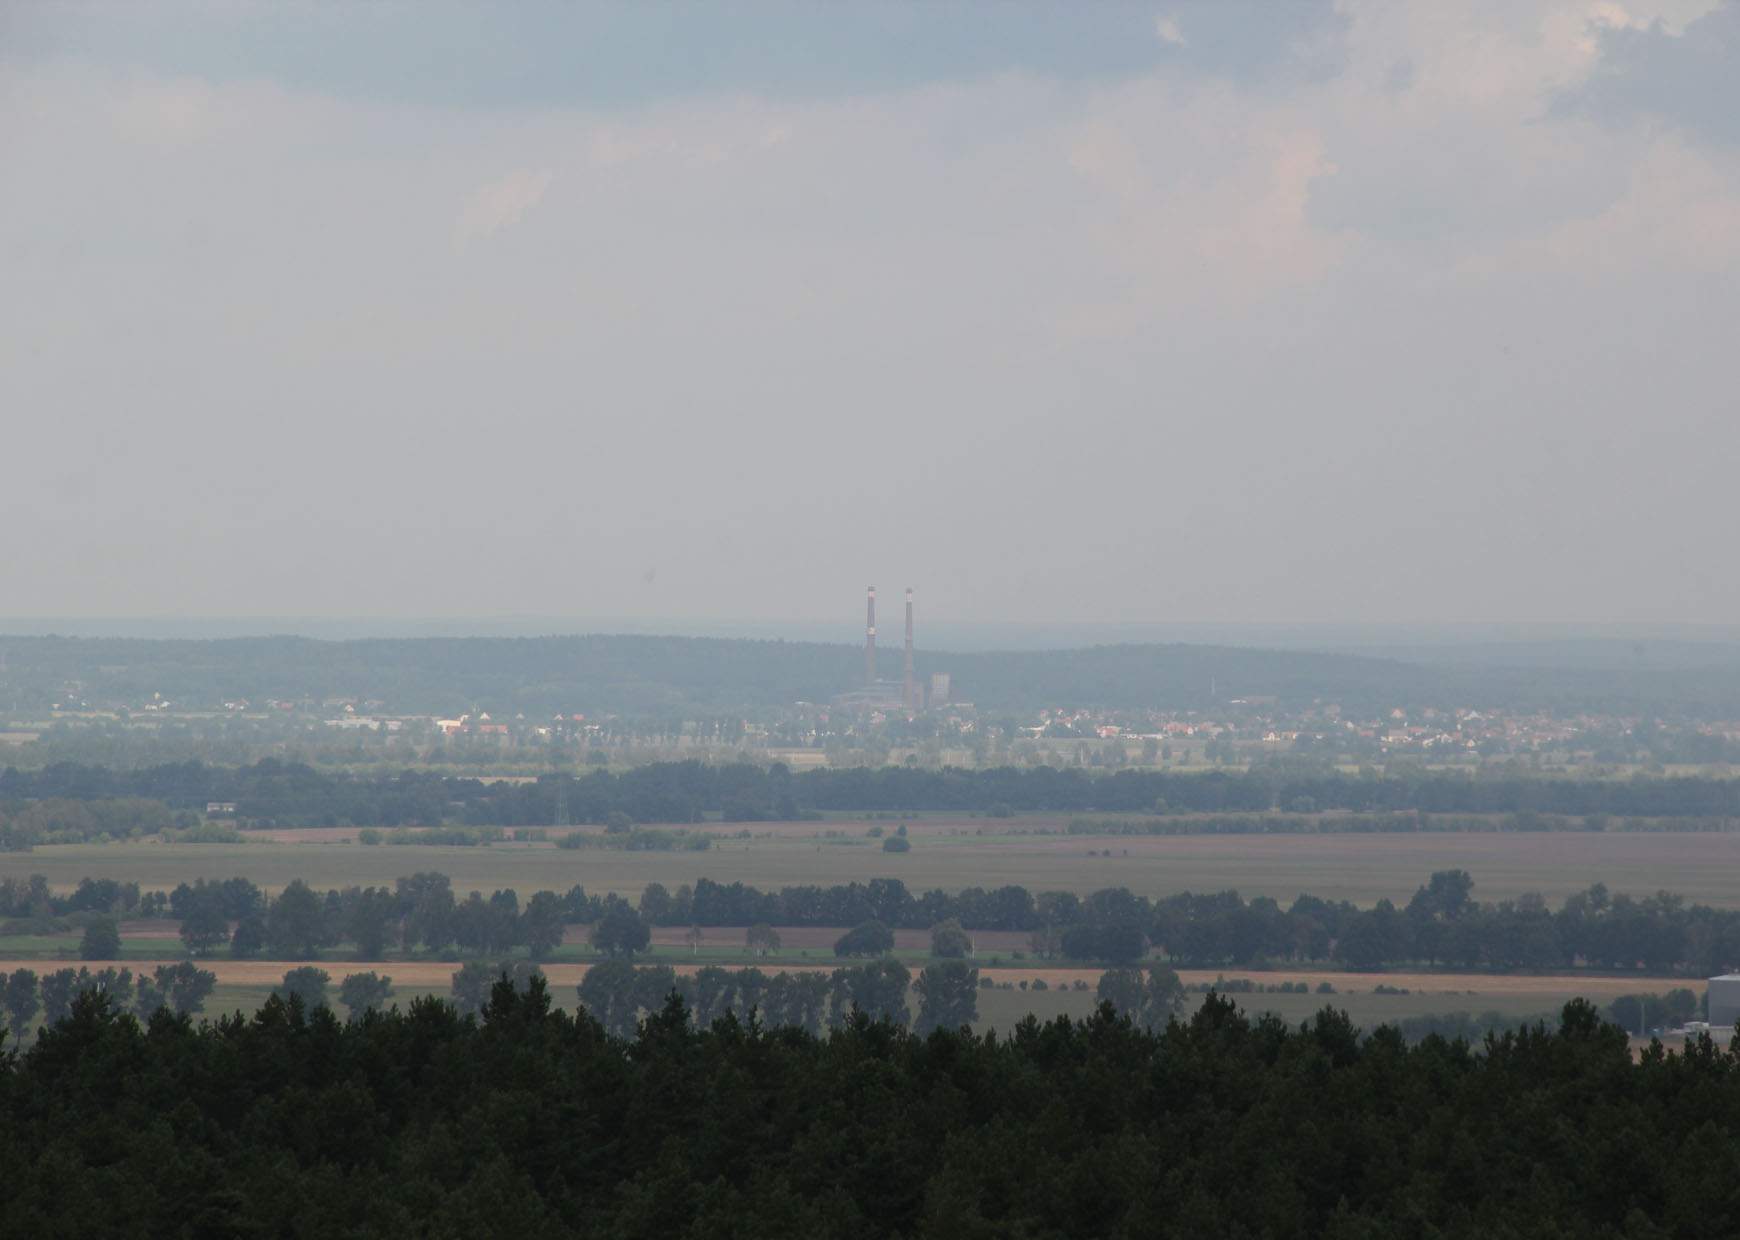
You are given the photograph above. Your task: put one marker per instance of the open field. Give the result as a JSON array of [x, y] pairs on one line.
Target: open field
[[1363, 868]]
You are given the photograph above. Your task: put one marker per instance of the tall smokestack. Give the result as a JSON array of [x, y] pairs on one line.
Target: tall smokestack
[[910, 688], [870, 638]]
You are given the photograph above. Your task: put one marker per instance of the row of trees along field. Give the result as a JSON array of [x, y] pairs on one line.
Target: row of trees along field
[[56, 802], [619, 995], [529, 1121], [616, 993], [1442, 924]]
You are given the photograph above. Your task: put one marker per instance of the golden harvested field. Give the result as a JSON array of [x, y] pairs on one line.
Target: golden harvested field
[[951, 855]]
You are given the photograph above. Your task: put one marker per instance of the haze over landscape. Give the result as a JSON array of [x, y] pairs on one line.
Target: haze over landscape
[[870, 620], [1342, 313]]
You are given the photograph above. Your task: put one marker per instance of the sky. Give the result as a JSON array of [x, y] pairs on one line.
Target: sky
[[1389, 312]]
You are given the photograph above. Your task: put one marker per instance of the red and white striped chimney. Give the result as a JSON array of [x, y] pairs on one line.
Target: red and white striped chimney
[[870, 638]]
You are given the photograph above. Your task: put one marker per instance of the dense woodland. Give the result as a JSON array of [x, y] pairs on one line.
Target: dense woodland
[[69, 803], [528, 1121], [659, 678], [1441, 925]]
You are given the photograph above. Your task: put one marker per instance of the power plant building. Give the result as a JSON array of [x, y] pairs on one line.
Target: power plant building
[[877, 694]]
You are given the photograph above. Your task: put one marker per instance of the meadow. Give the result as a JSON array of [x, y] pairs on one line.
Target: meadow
[[953, 854]]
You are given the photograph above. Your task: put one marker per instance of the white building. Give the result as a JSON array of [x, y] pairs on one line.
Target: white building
[[1724, 1001]]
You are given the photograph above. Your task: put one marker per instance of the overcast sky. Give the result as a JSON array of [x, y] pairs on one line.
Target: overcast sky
[[1296, 312]]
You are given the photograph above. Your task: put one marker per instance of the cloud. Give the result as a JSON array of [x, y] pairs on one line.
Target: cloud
[[1166, 343], [1256, 41], [1690, 80], [502, 204]]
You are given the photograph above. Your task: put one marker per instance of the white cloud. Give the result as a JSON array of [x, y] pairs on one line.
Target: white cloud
[[1167, 29], [502, 203]]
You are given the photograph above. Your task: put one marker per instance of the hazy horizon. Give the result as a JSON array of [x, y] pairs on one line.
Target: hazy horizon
[[1591, 645]]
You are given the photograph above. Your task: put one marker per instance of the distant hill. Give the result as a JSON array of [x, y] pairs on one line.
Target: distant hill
[[663, 677]]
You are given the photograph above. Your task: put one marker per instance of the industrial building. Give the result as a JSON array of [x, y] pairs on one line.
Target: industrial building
[[1723, 995], [905, 694]]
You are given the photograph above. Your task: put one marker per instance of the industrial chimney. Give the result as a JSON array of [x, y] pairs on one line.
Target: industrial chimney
[[910, 687], [870, 638]]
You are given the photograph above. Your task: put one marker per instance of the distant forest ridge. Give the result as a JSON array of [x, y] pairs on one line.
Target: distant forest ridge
[[66, 803], [673, 677]]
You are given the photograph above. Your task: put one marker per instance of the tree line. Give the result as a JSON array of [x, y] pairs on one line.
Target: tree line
[[619, 995], [182, 987], [525, 1120], [56, 802], [1441, 925]]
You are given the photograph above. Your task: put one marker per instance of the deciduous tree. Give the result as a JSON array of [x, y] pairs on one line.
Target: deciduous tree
[[948, 996]]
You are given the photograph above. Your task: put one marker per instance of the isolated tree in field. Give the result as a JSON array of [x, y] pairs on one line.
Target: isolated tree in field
[[471, 985], [949, 942], [896, 844], [102, 941], [948, 996], [1150, 998], [365, 992], [541, 925], [618, 823], [307, 983], [621, 931], [869, 938], [182, 987], [1123, 989], [204, 928], [19, 999], [762, 939], [296, 923]]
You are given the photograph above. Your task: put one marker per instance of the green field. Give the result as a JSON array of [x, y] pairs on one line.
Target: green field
[[1363, 868]]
